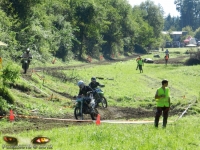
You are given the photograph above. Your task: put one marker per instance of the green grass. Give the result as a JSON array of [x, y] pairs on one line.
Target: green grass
[[130, 85], [182, 134], [124, 86], [128, 88]]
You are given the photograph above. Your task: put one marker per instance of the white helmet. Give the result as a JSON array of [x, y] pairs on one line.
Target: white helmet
[[80, 84], [28, 50]]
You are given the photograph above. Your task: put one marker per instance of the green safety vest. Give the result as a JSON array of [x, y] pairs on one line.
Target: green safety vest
[[161, 102], [140, 61]]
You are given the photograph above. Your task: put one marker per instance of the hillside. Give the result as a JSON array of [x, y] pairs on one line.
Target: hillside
[[45, 92]]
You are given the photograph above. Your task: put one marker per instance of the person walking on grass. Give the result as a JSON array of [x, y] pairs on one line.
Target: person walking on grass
[[162, 98], [137, 59], [166, 58], [140, 64]]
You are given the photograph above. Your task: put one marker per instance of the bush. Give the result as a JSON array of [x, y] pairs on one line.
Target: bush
[[4, 92], [10, 73], [4, 106], [192, 61], [140, 49]]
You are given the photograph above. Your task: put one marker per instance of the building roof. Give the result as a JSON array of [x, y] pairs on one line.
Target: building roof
[[173, 32]]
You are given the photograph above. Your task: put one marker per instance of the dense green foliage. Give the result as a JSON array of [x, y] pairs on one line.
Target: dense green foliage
[[189, 13], [69, 28]]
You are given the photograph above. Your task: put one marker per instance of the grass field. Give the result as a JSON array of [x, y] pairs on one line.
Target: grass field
[[182, 135], [124, 87]]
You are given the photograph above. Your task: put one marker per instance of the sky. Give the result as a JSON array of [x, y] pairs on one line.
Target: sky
[[168, 6]]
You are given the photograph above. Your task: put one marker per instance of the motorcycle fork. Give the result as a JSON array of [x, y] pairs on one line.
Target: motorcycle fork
[[82, 109]]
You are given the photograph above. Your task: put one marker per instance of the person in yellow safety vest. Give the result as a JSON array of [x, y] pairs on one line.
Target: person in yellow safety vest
[[166, 58], [162, 98], [140, 64]]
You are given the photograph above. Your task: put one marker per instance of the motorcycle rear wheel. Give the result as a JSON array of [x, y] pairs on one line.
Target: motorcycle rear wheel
[[94, 114]]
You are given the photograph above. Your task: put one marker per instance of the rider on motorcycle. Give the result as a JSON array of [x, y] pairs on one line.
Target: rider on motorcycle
[[84, 91], [26, 55], [94, 84]]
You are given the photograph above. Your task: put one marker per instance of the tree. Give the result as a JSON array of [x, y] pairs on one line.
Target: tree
[[21, 8], [197, 34], [154, 16], [189, 12], [189, 32], [171, 23]]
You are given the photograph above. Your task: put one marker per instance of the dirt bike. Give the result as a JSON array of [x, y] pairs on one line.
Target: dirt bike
[[99, 98], [25, 63], [84, 106]]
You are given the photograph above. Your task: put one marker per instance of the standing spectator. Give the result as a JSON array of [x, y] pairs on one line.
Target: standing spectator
[[140, 64], [162, 97]]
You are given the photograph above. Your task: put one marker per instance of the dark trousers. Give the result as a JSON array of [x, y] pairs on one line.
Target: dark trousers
[[140, 68], [166, 60], [161, 111]]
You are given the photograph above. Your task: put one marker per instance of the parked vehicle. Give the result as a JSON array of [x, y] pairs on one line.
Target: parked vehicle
[[99, 98], [84, 106], [198, 43], [148, 60]]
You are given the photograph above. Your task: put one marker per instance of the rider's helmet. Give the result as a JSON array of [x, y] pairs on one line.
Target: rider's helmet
[[27, 50], [81, 84], [93, 79]]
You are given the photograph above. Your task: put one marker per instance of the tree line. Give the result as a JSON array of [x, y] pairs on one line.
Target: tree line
[[189, 19], [68, 28]]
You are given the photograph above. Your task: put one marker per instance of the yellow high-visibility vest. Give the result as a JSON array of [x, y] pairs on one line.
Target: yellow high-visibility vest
[[161, 102]]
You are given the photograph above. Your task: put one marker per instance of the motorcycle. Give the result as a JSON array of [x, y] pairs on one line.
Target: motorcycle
[[25, 63], [99, 98], [85, 106]]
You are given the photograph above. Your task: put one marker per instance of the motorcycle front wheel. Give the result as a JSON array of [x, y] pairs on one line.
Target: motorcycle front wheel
[[104, 102], [78, 114], [25, 67], [94, 114]]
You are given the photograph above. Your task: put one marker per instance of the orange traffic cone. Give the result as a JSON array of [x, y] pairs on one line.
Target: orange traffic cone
[[11, 116], [98, 122]]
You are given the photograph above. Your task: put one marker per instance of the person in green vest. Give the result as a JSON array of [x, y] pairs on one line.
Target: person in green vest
[[138, 58], [140, 64], [162, 98]]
